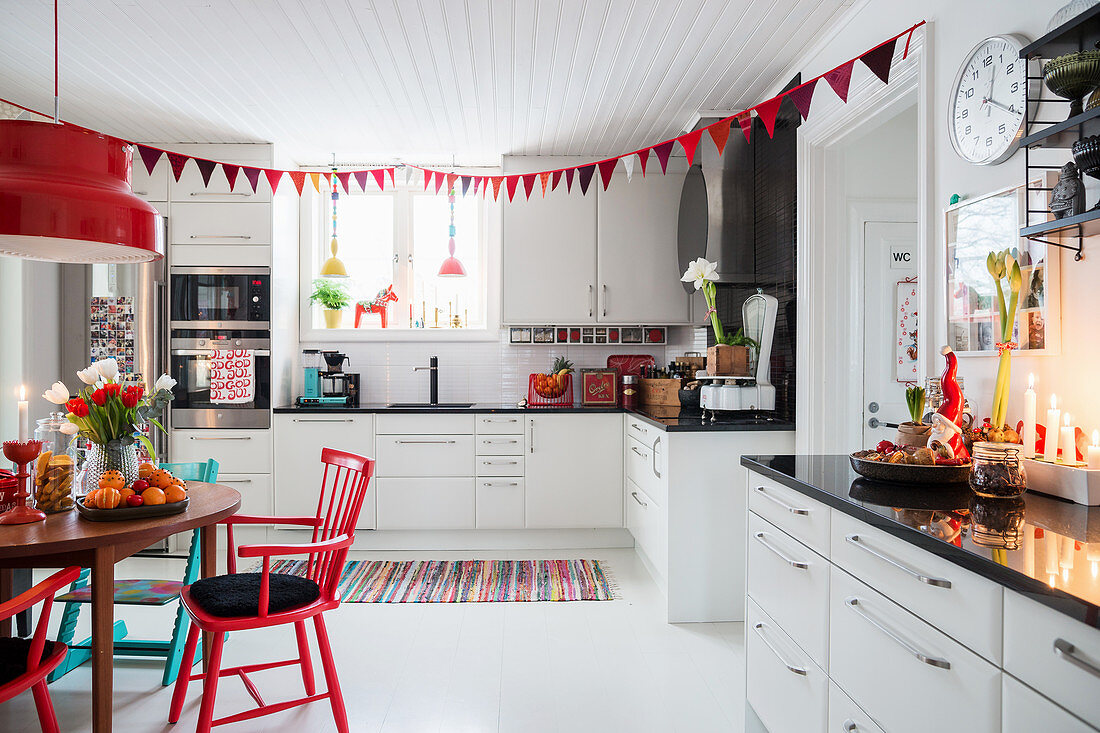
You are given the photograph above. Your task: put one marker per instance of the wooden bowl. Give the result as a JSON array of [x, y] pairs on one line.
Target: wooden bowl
[[121, 513], [903, 473]]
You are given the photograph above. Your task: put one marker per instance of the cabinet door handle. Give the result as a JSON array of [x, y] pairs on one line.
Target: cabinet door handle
[[792, 509], [532, 435], [603, 288], [637, 452], [759, 627], [854, 604], [636, 426], [490, 419], [235, 481], [498, 463], [220, 437], [221, 236], [1068, 652], [849, 726], [323, 419], [500, 483], [635, 495], [425, 442], [140, 193], [854, 539], [213, 193], [591, 306], [654, 455], [760, 537], [499, 440]]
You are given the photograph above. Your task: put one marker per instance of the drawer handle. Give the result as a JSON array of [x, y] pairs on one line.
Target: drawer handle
[[635, 495], [636, 426], [235, 481], [849, 726], [1068, 652], [501, 462], [220, 437], [212, 193], [500, 483], [854, 539], [780, 554], [324, 419], [636, 451], [792, 509], [854, 604], [491, 419], [426, 442], [760, 631], [498, 440], [221, 236]]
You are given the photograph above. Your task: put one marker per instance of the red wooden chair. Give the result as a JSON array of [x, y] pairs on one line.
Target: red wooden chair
[[25, 663], [241, 601]]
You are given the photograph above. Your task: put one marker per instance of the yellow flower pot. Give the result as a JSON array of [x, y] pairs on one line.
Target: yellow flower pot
[[333, 319]]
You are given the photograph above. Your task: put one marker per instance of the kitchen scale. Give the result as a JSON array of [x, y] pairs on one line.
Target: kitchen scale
[[753, 393]]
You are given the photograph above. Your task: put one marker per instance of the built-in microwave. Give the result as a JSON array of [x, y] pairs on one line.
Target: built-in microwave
[[220, 298]]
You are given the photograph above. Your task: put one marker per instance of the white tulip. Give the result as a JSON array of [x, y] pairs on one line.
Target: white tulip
[[69, 428], [164, 382], [107, 368], [700, 271], [89, 375], [57, 394]]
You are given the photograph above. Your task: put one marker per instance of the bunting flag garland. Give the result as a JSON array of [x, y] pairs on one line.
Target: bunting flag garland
[[801, 96], [497, 180], [361, 179], [569, 179], [379, 178], [466, 184], [177, 161], [438, 176], [607, 169], [150, 156], [544, 177], [231, 172], [299, 179], [643, 156], [839, 79], [745, 121], [689, 142], [584, 177], [511, 182], [343, 177], [663, 151], [451, 178], [252, 175], [878, 60], [628, 166], [206, 169], [529, 184], [555, 178], [390, 171], [719, 133], [768, 111], [273, 178], [316, 178]]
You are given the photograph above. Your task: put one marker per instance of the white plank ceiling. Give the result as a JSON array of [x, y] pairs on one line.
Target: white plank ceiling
[[380, 80]]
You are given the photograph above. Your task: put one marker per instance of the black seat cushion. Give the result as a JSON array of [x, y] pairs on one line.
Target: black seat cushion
[[239, 594], [13, 657]]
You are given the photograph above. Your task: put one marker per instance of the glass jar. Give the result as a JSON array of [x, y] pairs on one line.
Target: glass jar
[[54, 470], [998, 470], [113, 456], [997, 523]]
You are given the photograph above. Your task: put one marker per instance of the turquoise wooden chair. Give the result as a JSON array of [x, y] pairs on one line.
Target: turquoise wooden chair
[[138, 592]]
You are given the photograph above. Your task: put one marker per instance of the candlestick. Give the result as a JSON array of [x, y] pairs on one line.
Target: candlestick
[[1069, 442], [1050, 446], [24, 419], [1029, 418], [1094, 451]]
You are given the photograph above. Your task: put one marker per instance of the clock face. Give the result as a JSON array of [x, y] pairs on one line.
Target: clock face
[[990, 101]]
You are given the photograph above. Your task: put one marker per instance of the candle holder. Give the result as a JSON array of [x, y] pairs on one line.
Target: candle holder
[[22, 453], [1077, 483]]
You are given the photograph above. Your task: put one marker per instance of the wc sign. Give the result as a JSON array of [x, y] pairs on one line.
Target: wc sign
[[901, 258]]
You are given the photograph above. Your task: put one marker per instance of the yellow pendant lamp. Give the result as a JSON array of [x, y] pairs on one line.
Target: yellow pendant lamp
[[333, 266]]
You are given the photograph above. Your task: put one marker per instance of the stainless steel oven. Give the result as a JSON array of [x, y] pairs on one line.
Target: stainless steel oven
[[191, 350], [220, 298]]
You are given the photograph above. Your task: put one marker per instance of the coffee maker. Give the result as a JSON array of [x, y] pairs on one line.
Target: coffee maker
[[328, 385]]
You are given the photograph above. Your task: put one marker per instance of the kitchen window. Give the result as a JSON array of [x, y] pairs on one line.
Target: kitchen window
[[399, 238]]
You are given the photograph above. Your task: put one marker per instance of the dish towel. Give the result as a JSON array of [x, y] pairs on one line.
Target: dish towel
[[232, 376]]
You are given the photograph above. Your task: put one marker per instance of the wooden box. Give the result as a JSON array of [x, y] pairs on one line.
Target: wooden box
[[728, 361], [661, 391], [599, 387]]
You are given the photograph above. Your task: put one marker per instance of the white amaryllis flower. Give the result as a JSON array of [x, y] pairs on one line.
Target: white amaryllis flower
[[88, 375], [107, 368], [700, 271], [57, 394], [69, 428], [1009, 261], [164, 382]]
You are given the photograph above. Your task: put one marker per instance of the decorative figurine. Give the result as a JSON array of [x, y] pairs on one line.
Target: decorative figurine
[[378, 305], [943, 430], [953, 402], [1068, 195]]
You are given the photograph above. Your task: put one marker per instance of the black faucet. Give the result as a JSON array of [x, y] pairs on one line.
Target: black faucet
[[433, 379]]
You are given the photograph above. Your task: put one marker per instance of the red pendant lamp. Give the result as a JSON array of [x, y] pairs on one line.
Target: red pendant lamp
[[65, 194], [451, 266]]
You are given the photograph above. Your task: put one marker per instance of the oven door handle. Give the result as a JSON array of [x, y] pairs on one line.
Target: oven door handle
[[208, 352]]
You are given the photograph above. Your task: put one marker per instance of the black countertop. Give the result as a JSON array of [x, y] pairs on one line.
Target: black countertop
[[961, 527], [670, 419]]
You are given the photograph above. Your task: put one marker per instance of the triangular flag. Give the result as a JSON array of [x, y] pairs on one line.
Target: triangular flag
[[569, 179], [555, 178], [512, 182], [584, 176], [477, 184], [745, 121], [802, 96], [466, 184], [253, 176], [767, 110], [273, 178], [438, 176], [390, 171], [497, 180], [427, 179], [878, 60], [299, 179], [628, 166], [544, 177], [178, 161], [231, 172], [720, 133], [529, 184], [689, 142], [343, 177], [451, 178], [607, 169], [206, 169], [316, 178], [361, 179], [643, 158], [379, 178], [663, 151], [839, 78], [149, 156]]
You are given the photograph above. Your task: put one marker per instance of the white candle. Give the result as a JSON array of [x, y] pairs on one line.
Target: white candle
[[1094, 451], [1051, 556], [1065, 553], [24, 419], [1069, 442], [1050, 444], [1029, 418]]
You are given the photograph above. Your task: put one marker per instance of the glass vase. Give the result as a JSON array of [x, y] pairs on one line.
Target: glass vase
[[110, 457]]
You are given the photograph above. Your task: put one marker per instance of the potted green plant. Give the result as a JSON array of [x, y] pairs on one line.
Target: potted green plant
[[914, 432], [333, 297], [1003, 266]]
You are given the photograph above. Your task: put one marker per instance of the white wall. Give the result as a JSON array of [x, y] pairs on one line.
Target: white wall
[[956, 27], [882, 163]]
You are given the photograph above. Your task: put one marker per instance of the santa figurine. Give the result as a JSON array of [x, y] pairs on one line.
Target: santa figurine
[[951, 408]]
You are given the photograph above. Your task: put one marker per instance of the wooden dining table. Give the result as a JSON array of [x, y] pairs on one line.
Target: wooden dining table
[[68, 539]]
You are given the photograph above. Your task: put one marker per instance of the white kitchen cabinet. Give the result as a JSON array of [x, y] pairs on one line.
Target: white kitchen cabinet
[[785, 688], [428, 455], [426, 503], [195, 223], [1025, 711], [499, 503], [647, 522], [255, 490], [298, 468], [236, 451], [574, 471], [847, 717], [637, 266]]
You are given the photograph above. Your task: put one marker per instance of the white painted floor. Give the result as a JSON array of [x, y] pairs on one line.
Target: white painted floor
[[443, 667]]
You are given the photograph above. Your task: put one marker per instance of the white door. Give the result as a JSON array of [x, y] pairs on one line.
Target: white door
[[638, 274], [889, 256], [550, 257]]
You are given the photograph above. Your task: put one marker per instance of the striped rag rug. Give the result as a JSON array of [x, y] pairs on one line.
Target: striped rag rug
[[466, 581]]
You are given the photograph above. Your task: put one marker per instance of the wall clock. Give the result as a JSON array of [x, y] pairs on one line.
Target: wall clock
[[986, 114]]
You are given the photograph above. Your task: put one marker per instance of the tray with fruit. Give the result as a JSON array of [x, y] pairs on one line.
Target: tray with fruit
[[155, 493], [909, 465]]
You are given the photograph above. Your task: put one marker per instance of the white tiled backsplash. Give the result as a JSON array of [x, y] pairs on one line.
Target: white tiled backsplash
[[482, 371]]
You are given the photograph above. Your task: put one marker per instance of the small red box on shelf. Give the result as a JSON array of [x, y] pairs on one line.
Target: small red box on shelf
[[552, 390]]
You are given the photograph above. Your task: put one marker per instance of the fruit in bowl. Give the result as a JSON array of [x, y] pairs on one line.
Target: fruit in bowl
[[158, 486], [553, 383]]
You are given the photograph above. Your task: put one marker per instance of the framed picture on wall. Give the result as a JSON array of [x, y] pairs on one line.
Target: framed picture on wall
[[974, 228]]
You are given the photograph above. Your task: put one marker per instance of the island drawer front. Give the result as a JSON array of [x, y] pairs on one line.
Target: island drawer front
[[1057, 655], [791, 584], [236, 451], [500, 445], [500, 503], [638, 429], [873, 655], [786, 689], [641, 468], [962, 604], [425, 455], [499, 465], [803, 518], [1025, 711], [421, 424], [426, 503], [499, 424], [847, 717], [647, 522]]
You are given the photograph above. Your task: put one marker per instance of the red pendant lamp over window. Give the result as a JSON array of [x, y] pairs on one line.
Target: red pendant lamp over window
[[451, 266]]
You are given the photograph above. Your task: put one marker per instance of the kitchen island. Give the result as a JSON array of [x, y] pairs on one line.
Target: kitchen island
[[867, 600]]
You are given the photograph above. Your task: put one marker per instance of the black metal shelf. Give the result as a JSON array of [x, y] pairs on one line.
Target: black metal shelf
[[1076, 34], [1065, 134]]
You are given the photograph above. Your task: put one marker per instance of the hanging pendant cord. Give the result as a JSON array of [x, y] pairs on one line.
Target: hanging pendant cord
[[56, 85]]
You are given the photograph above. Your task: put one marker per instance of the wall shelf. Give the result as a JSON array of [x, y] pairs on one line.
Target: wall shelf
[[1076, 34], [1064, 134]]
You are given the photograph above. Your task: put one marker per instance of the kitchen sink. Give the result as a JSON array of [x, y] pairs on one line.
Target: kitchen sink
[[429, 406]]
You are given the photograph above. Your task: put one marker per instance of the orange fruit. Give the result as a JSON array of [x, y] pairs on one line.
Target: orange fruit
[[112, 479], [153, 496], [145, 469], [160, 479], [174, 493], [90, 499], [108, 498], [126, 492]]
